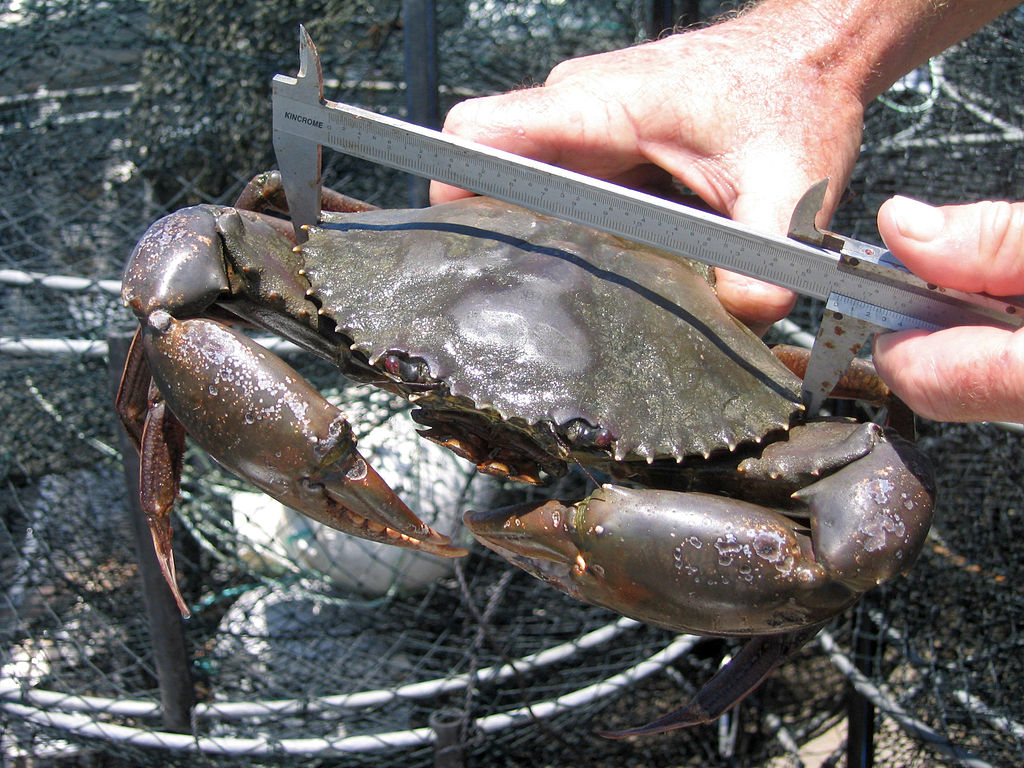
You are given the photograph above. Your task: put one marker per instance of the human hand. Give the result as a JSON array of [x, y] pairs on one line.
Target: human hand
[[734, 112], [966, 373]]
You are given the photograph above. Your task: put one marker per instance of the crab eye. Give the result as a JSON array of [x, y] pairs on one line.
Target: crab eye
[[409, 370], [581, 434]]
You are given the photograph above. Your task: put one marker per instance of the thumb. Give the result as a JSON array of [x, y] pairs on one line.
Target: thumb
[[977, 247], [956, 374], [964, 373]]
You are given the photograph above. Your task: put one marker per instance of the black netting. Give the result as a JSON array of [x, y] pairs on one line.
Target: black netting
[[112, 114]]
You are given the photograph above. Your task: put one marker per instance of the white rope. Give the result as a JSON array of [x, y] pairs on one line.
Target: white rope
[[36, 347], [58, 282], [85, 725], [11, 689]]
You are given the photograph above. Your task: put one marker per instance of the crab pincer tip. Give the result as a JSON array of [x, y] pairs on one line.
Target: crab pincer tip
[[440, 546], [681, 718], [165, 559]]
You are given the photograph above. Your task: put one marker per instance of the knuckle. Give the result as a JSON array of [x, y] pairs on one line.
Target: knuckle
[[568, 69], [1001, 237], [457, 118], [559, 72]]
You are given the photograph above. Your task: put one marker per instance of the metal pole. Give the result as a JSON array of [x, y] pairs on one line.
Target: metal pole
[[165, 626], [689, 13], [419, 22], [659, 15], [860, 712], [665, 15], [447, 725]]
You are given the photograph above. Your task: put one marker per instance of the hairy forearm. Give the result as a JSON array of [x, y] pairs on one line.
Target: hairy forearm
[[866, 45]]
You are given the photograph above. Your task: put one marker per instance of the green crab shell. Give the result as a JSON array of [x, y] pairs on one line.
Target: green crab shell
[[541, 321]]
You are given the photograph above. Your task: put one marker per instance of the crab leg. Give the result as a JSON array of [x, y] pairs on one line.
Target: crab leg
[[130, 402], [160, 440], [859, 382], [730, 685], [161, 454], [261, 420]]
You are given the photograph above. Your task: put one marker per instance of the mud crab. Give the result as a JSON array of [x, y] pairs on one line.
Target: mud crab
[[528, 344]]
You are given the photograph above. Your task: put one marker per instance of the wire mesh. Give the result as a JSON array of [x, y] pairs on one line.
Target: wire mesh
[[112, 114]]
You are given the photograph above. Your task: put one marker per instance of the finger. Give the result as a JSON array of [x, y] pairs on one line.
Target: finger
[[774, 190], [503, 122], [957, 374], [568, 127], [977, 247], [756, 303], [446, 193]]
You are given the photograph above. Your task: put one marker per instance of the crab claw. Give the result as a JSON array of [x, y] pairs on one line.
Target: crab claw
[[860, 506], [610, 550], [692, 562], [667, 558], [261, 420]]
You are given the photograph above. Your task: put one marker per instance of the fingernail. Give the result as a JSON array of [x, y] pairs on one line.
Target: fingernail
[[916, 220]]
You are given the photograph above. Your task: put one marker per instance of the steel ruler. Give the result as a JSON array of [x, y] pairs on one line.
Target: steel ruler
[[865, 288]]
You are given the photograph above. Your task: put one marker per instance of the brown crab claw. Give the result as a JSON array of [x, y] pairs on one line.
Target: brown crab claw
[[260, 419], [352, 498], [621, 549], [536, 537]]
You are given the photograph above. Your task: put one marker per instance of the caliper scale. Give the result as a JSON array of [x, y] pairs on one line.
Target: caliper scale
[[865, 288]]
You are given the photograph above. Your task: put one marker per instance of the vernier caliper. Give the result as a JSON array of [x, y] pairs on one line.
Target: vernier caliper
[[865, 288]]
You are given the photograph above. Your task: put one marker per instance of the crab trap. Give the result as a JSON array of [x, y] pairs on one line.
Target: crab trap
[[309, 648]]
